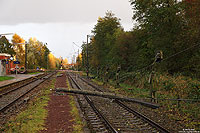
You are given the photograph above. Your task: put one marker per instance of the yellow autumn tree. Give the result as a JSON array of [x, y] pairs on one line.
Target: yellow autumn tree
[[19, 48], [52, 61], [65, 63]]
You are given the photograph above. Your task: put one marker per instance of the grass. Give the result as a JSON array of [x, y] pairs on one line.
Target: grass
[[136, 92], [83, 73], [33, 118], [2, 78], [34, 73], [167, 87], [77, 121], [59, 73], [125, 89], [97, 81]]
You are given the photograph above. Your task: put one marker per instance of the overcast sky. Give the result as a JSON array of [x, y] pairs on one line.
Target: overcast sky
[[59, 22]]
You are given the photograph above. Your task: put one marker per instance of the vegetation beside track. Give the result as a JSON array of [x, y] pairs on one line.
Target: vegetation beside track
[[166, 87], [33, 118], [34, 73], [2, 78], [78, 124], [166, 50]]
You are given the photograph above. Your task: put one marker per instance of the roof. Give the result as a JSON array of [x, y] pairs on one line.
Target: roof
[[4, 54]]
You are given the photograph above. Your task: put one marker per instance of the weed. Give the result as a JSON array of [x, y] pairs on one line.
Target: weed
[[33, 118], [2, 78], [77, 121]]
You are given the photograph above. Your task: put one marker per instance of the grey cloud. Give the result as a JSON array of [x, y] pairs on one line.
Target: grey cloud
[[45, 11]]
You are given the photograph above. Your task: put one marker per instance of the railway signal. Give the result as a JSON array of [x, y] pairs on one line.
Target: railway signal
[[117, 75], [158, 59], [159, 56]]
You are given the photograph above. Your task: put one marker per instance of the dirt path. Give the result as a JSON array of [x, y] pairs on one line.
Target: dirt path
[[59, 119]]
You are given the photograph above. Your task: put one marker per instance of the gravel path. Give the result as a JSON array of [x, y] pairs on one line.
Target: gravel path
[[59, 119]]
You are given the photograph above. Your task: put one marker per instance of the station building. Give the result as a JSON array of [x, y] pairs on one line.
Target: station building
[[5, 64]]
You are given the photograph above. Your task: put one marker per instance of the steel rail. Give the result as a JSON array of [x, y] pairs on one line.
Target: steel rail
[[149, 121], [7, 92], [108, 124], [7, 85], [16, 99]]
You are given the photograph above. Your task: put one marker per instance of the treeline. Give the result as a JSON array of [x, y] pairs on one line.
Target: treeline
[[170, 26], [38, 54]]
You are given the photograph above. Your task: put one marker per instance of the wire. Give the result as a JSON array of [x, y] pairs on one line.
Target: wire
[[128, 74], [76, 45], [180, 52], [169, 57]]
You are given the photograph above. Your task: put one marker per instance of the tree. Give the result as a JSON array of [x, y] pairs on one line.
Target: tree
[[79, 61], [5, 46], [103, 39], [126, 50], [52, 61], [46, 53], [83, 55], [164, 23], [192, 35], [65, 63], [31, 55], [19, 48], [37, 54]]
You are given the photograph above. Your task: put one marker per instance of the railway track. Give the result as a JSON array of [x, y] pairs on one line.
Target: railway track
[[96, 121], [13, 94], [15, 85], [111, 115]]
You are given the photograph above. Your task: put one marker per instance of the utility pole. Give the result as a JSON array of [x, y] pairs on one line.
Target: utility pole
[[78, 60], [26, 67], [40, 58], [47, 62], [87, 65], [46, 54], [78, 55], [158, 59]]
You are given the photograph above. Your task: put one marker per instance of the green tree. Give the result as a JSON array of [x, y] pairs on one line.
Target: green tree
[[5, 46], [37, 54], [103, 39], [164, 23], [84, 56], [191, 35], [46, 53]]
